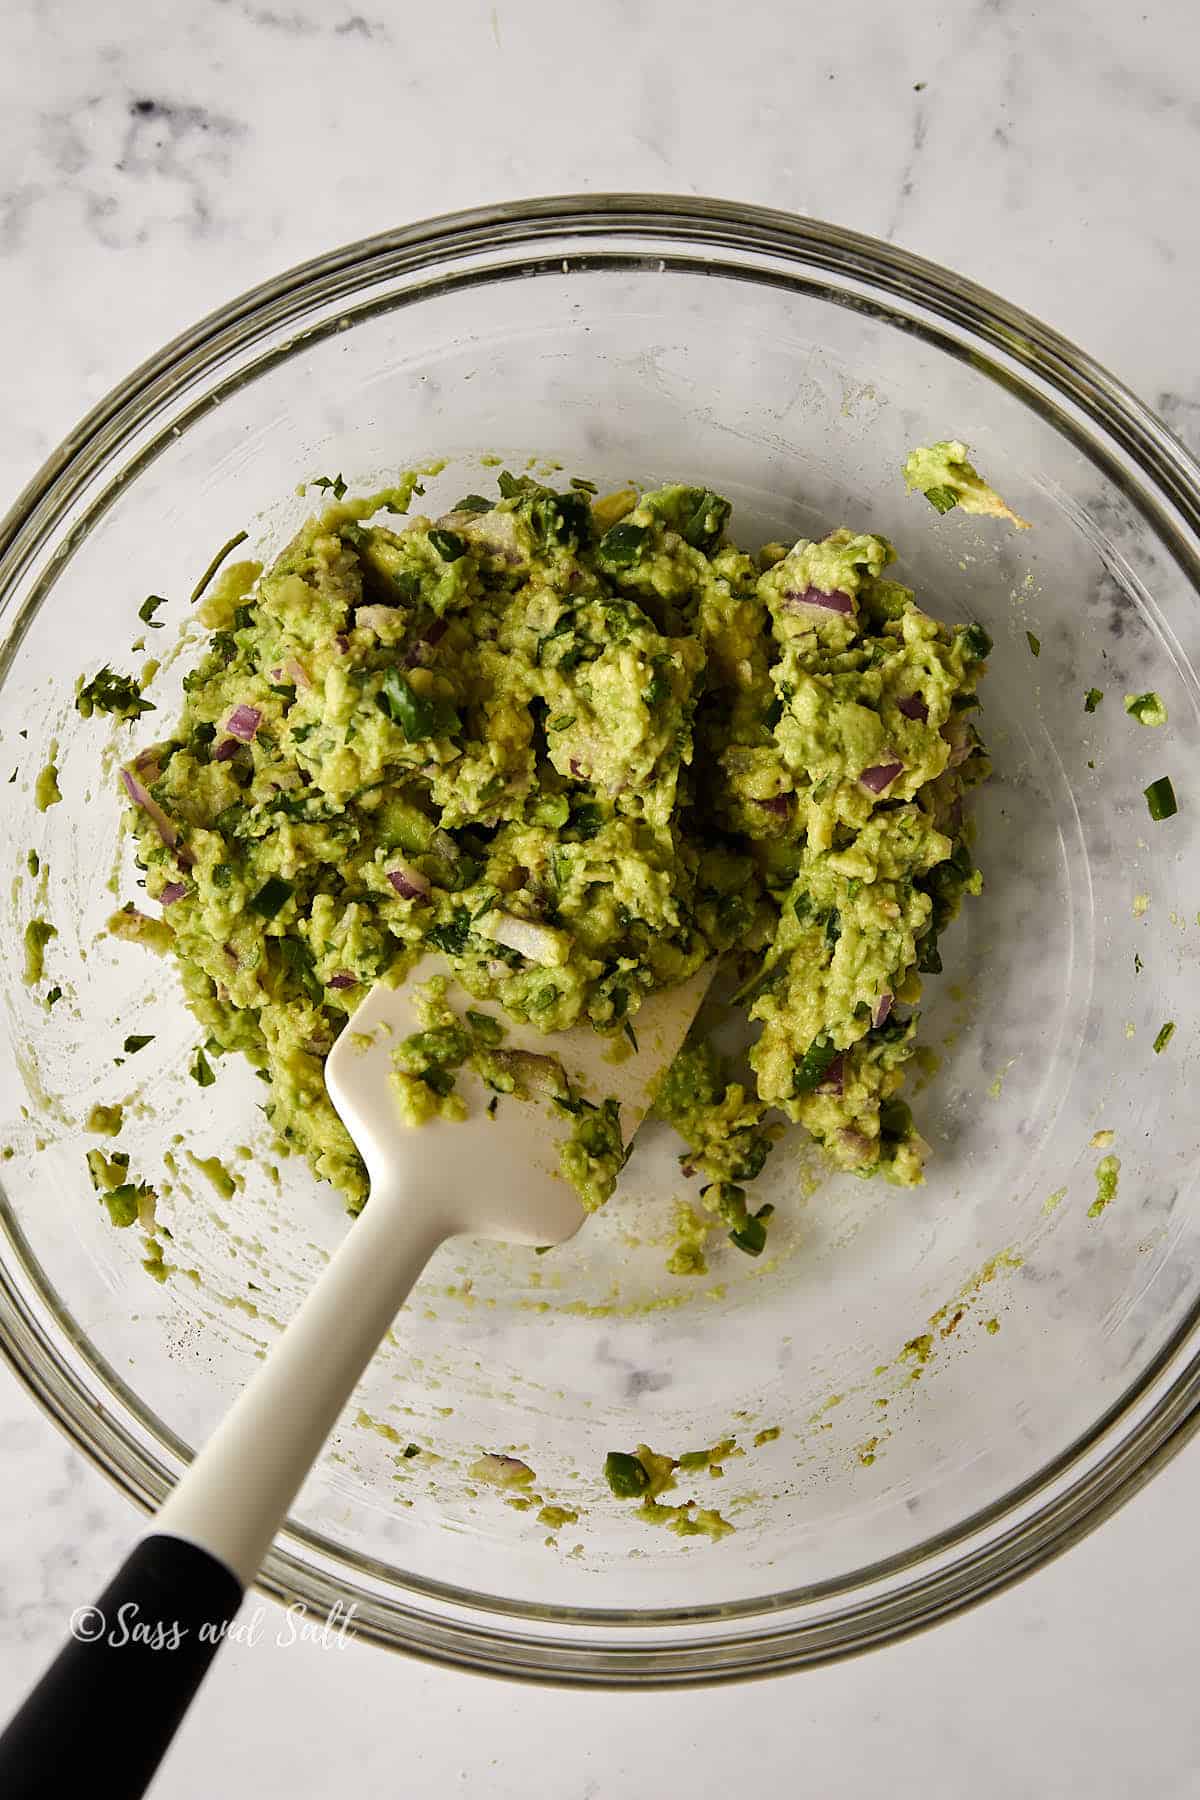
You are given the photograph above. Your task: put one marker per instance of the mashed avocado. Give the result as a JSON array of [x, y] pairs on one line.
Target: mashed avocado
[[580, 749]]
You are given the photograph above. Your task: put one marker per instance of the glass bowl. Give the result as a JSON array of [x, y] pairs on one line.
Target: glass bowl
[[947, 1385]]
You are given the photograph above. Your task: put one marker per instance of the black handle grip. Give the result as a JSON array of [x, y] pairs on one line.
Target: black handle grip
[[109, 1704]]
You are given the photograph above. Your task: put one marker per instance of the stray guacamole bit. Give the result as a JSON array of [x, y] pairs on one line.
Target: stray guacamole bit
[[38, 934], [127, 1202], [580, 749], [1108, 1171], [502, 1471], [46, 791], [107, 692], [1147, 709], [647, 1474], [943, 474], [106, 1120]]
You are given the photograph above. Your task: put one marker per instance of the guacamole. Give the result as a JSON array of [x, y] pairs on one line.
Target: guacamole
[[580, 747], [947, 479]]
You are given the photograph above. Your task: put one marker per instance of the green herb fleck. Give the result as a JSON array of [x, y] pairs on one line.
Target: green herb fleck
[[1147, 709], [201, 1070], [336, 486], [448, 545], [1165, 1034], [419, 716], [631, 1034], [137, 1041], [271, 896], [622, 545], [111, 693], [148, 608], [1092, 699], [626, 1475], [239, 537], [1160, 798], [942, 499]]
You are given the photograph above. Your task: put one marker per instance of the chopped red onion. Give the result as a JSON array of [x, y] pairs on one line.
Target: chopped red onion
[[536, 942], [298, 672], [376, 618], [174, 890], [341, 643], [779, 804], [243, 722], [167, 832], [227, 749], [576, 768], [147, 759], [883, 1008], [834, 1078], [544, 1074], [408, 882], [493, 532], [836, 602], [343, 979], [502, 1471], [913, 707], [961, 739], [880, 776], [419, 655], [862, 1148]]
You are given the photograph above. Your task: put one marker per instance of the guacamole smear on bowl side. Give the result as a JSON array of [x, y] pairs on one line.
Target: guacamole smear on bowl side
[[579, 746], [947, 479]]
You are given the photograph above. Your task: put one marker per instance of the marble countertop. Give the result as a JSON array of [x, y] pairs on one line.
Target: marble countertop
[[1052, 153]]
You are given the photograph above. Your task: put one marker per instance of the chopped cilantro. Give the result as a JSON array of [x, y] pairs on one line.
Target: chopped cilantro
[[1147, 709], [1160, 799], [201, 1070], [137, 1041], [1035, 643], [1165, 1034], [335, 485], [111, 693], [448, 545], [148, 608], [419, 716], [974, 643], [1092, 699], [810, 1069], [271, 896], [631, 1034], [626, 1475], [622, 545], [942, 499]]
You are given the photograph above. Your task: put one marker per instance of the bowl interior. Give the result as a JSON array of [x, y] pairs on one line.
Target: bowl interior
[[921, 1355]]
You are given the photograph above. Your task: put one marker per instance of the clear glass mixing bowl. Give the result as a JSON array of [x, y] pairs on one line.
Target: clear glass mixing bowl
[[918, 1465]]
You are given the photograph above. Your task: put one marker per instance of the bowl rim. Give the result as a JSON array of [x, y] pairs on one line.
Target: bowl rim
[[1172, 1416]]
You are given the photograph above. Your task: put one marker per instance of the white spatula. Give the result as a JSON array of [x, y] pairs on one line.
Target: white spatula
[[484, 1176]]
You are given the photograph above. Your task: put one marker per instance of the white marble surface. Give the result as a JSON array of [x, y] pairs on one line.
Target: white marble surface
[[148, 174]]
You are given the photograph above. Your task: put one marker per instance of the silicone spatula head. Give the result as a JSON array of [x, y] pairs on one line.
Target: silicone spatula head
[[497, 1172]]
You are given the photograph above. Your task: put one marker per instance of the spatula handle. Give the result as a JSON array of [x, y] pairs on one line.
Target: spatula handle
[[149, 1639], [236, 1493]]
